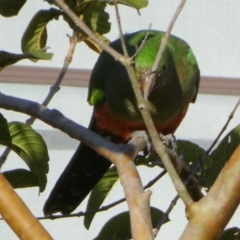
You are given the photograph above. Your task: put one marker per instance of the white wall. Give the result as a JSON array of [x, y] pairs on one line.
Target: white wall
[[211, 28]]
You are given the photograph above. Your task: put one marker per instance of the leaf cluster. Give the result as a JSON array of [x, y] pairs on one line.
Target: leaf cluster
[[34, 39], [31, 148]]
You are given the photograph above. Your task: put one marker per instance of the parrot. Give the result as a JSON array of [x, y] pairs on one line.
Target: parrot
[[116, 115]]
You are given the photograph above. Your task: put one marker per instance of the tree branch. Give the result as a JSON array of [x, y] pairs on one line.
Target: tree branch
[[126, 61], [18, 216], [209, 216], [57, 120], [67, 61], [103, 208], [162, 46], [53, 89], [165, 216], [119, 154], [224, 127], [78, 22], [138, 202]]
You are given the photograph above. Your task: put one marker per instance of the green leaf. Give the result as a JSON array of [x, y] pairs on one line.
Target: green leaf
[[35, 36], [119, 227], [7, 58], [9, 8], [96, 18], [94, 46], [99, 193], [40, 54], [138, 4], [4, 131], [30, 146], [230, 234], [191, 153], [221, 155], [21, 178], [93, 15]]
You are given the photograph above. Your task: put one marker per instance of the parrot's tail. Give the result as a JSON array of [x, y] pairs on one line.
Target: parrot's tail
[[82, 173]]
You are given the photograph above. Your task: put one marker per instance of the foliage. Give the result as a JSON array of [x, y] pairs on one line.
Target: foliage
[[7, 58], [29, 146], [9, 8], [34, 39], [230, 234]]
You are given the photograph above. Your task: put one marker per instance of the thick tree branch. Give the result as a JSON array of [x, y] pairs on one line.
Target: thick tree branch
[[57, 120], [120, 155], [18, 216], [138, 200], [209, 216]]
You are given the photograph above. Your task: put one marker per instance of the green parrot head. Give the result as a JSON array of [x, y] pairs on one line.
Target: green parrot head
[[177, 64]]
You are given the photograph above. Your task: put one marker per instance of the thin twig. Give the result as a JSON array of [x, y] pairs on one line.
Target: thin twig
[[103, 208], [196, 168], [53, 89], [4, 156], [144, 225], [163, 44], [165, 216], [78, 22], [142, 43], [160, 149], [125, 51], [224, 127], [56, 86]]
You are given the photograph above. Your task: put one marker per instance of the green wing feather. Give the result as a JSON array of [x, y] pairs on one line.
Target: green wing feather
[[183, 59]]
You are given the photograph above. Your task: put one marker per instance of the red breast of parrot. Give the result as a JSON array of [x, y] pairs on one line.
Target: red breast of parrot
[[116, 112]]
